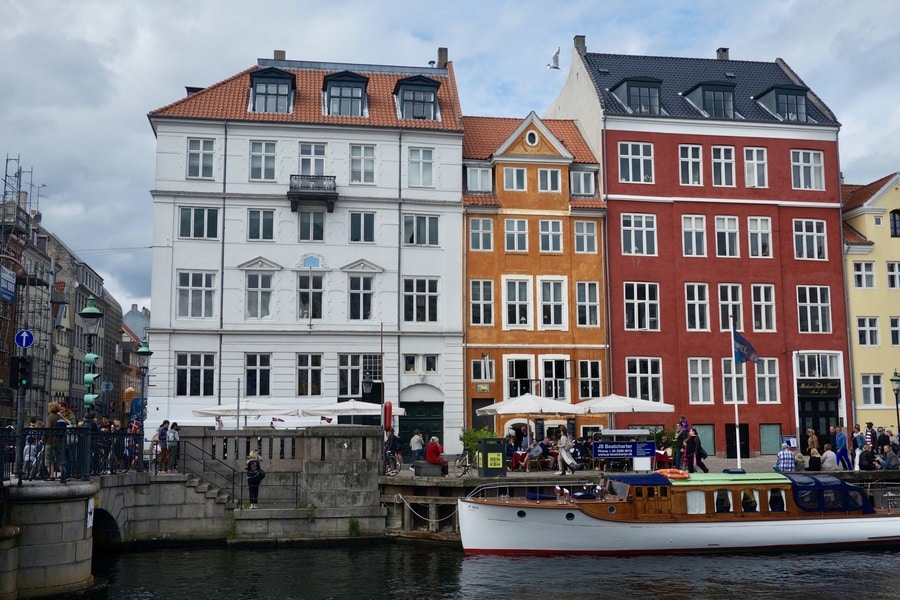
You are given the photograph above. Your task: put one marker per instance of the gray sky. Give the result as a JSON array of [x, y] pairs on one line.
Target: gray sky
[[79, 77]]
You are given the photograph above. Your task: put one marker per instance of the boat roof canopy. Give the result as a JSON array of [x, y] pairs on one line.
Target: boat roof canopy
[[827, 493]]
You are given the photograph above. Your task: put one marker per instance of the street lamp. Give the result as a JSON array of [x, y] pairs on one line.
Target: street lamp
[[91, 316], [143, 363], [895, 383], [367, 383]]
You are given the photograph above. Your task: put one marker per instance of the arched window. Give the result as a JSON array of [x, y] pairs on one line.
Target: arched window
[[895, 223]]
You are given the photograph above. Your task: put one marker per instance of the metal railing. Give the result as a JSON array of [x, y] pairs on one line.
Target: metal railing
[[312, 183]]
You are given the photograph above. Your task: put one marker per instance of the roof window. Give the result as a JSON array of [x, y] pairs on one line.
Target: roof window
[[345, 94], [271, 91], [787, 102], [715, 99], [417, 98], [640, 96]]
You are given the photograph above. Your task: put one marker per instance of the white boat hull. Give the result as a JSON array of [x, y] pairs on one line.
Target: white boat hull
[[518, 528]]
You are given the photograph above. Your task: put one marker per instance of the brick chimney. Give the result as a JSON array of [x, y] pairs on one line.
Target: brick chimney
[[580, 44], [279, 55], [442, 58], [722, 54]]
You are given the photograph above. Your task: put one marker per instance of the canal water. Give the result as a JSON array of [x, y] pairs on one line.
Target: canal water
[[429, 571]]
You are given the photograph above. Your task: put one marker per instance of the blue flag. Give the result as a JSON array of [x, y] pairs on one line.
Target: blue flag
[[743, 350]]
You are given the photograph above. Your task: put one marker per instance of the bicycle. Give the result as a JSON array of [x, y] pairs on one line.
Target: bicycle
[[467, 464], [392, 464]]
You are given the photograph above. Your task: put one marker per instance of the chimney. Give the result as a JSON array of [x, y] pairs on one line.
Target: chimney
[[722, 54], [580, 44], [134, 307], [279, 55], [442, 58]]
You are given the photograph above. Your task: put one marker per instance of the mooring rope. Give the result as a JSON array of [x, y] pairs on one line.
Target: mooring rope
[[399, 499]]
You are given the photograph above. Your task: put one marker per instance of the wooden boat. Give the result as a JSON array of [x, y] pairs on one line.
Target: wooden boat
[[658, 514]]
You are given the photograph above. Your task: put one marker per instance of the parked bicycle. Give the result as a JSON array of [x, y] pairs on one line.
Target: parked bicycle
[[392, 464], [467, 464]]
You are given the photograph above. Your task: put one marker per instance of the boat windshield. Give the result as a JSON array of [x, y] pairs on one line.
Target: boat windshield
[[826, 493]]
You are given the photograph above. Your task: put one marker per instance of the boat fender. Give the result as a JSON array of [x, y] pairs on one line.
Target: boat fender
[[674, 473]]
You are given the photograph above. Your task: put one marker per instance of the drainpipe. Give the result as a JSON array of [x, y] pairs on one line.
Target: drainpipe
[[604, 182], [399, 268], [222, 258]]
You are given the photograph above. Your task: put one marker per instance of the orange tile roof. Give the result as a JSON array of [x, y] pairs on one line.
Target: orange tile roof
[[480, 200], [857, 195], [230, 98], [484, 135], [852, 236]]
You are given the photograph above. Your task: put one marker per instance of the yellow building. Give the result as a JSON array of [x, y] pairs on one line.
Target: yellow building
[[872, 266]]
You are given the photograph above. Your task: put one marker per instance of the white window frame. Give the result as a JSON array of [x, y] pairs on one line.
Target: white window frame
[[421, 230], [807, 170], [360, 296], [759, 237], [201, 217], [312, 159], [263, 233], [517, 296], [643, 378], [585, 237], [310, 295], [483, 369], [421, 167], [723, 166], [581, 183], [867, 331], [421, 296], [516, 235], [810, 239], [731, 303], [762, 297], [700, 383], [590, 379], [768, 389], [481, 234], [200, 156], [362, 164], [481, 302], [309, 374], [636, 162], [553, 303], [189, 363], [638, 234], [191, 290], [864, 275], [514, 179], [872, 389], [257, 374], [262, 160], [555, 377], [893, 275], [549, 180], [693, 235], [733, 373], [756, 168], [550, 234], [587, 303], [690, 162], [696, 305], [259, 292], [642, 306], [727, 237], [814, 307], [479, 180], [311, 225], [895, 330], [365, 222]]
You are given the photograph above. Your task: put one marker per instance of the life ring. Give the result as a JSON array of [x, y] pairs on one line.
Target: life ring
[[674, 473]]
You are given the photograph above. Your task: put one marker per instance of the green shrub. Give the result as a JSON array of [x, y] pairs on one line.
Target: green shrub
[[470, 437]]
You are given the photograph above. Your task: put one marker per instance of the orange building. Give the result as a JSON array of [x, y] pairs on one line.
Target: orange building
[[536, 320]]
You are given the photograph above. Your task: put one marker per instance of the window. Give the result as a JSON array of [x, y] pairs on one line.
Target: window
[[312, 226], [200, 158], [553, 304], [718, 102], [895, 223], [196, 292], [518, 313], [700, 381], [814, 307], [258, 373], [417, 104], [360, 297], [640, 97], [421, 167], [791, 107], [644, 378], [893, 275], [261, 224], [807, 170], [420, 300], [551, 236], [548, 180], [697, 306], [272, 96], [867, 331], [482, 302], [262, 161], [763, 298], [691, 162], [693, 235], [198, 223], [641, 306], [362, 164], [734, 382], [767, 380], [346, 100], [312, 159], [514, 179], [362, 227], [809, 240], [483, 370], [755, 168], [516, 235], [590, 379], [581, 183], [588, 303], [194, 374], [723, 166], [895, 331], [871, 389], [760, 236], [409, 363], [585, 237], [431, 363], [518, 377], [259, 295], [352, 368], [635, 162], [730, 307], [864, 275], [309, 374], [481, 236], [727, 237], [420, 230], [555, 378], [310, 288], [639, 234], [814, 365], [479, 180]]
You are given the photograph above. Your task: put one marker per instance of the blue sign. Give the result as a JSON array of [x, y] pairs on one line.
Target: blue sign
[[24, 338], [7, 285], [624, 449]]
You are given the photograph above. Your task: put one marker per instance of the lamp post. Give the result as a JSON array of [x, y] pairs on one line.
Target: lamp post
[[91, 316], [143, 363], [895, 384]]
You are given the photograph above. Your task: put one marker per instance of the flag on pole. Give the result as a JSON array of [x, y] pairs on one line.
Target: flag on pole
[[743, 350], [277, 419], [326, 419]]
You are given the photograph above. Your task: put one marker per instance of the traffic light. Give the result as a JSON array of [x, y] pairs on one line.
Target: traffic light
[[90, 378], [24, 371]]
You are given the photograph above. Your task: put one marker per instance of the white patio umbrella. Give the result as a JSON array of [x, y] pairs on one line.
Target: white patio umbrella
[[529, 404], [246, 408], [615, 403], [349, 408]]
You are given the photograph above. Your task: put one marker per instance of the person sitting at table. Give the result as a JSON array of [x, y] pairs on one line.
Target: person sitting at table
[[537, 451], [434, 454], [527, 440], [509, 451]]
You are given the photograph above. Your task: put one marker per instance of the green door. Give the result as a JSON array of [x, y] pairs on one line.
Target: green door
[[427, 417]]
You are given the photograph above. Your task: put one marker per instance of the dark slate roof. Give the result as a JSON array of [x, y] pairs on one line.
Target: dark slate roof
[[679, 76]]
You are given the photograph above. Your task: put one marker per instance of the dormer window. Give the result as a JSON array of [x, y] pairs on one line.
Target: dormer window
[[641, 96], [788, 103], [417, 98], [345, 94], [272, 91], [714, 99]]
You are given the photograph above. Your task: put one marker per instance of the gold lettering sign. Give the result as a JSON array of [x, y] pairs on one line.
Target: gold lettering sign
[[822, 388]]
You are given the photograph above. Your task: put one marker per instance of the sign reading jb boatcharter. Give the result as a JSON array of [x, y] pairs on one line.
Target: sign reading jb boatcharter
[[7, 285], [623, 449]]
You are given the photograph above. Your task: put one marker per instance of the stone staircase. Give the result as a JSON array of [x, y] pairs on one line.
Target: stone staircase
[[209, 491]]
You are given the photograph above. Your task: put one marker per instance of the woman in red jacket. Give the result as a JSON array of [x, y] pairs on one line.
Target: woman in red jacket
[[433, 453]]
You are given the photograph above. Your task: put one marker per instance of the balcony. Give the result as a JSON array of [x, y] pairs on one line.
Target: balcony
[[315, 189], [13, 218]]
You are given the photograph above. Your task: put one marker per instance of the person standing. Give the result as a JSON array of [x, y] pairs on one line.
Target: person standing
[[871, 435], [416, 446], [565, 462], [681, 435], [162, 447], [812, 440], [842, 454], [172, 439], [255, 475], [695, 452], [859, 440]]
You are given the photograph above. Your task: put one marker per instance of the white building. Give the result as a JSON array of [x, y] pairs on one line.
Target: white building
[[307, 230]]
